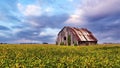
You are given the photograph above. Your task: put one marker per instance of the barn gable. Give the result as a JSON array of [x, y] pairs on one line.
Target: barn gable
[[75, 36]]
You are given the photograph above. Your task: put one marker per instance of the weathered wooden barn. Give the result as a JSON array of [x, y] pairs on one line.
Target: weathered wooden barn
[[75, 36]]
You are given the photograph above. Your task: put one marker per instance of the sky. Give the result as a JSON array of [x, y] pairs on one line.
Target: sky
[[38, 21]]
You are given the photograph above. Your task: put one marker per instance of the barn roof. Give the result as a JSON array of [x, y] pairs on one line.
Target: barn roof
[[82, 34]]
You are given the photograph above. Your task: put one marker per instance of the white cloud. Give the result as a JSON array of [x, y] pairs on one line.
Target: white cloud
[[49, 32], [77, 18], [30, 10], [33, 23], [43, 34], [16, 30], [49, 9], [4, 35], [70, 0], [20, 7], [52, 32]]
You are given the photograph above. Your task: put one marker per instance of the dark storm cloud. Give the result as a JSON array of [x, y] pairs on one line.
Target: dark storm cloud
[[106, 27], [29, 34], [34, 35], [43, 22], [103, 19], [56, 21]]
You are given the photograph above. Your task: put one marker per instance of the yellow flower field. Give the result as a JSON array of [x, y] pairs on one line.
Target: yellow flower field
[[54, 56]]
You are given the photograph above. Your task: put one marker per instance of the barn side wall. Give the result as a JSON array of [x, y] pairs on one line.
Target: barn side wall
[[63, 37]]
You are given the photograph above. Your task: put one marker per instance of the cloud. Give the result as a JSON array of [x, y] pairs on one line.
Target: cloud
[[37, 36], [100, 8], [76, 18], [42, 27], [9, 17], [30, 10], [3, 28], [102, 17], [70, 0], [49, 9], [94, 10], [55, 21], [49, 32]]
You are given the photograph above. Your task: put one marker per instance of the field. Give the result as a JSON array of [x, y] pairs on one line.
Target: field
[[52, 56]]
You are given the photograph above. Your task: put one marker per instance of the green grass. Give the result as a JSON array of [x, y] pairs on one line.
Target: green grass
[[52, 56]]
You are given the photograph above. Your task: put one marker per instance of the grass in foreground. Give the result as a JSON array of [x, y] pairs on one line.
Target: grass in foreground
[[51, 56]]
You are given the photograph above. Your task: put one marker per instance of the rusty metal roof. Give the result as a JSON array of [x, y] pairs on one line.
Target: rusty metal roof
[[81, 34]]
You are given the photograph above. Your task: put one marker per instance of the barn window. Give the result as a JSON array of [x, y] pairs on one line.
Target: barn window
[[64, 38]]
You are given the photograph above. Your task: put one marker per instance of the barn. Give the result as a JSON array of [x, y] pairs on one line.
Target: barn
[[75, 36]]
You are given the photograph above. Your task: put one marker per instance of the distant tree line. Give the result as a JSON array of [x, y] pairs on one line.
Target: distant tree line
[[26, 43], [29, 43], [34, 43], [3, 43]]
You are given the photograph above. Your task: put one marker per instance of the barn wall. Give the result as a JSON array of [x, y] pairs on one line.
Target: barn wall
[[64, 33], [61, 36]]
